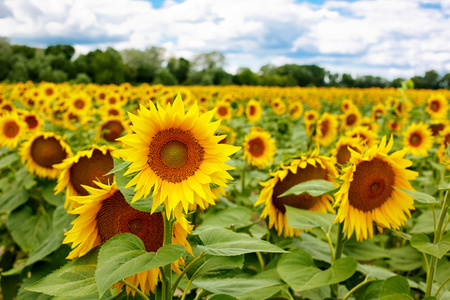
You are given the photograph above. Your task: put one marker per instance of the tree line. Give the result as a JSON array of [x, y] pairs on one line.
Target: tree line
[[57, 63]]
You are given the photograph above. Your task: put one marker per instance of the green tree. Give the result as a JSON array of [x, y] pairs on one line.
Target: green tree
[[246, 76], [142, 66], [6, 57], [179, 68], [108, 67], [163, 76]]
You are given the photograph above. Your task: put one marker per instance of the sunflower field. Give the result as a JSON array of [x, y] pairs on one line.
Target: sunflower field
[[223, 192]]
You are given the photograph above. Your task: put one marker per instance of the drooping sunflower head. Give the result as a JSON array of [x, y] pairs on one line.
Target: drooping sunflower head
[[12, 130], [437, 106], [368, 192], [83, 169], [176, 154], [278, 106], [42, 151], [418, 139], [223, 111], [259, 148], [300, 170], [326, 129], [253, 111], [104, 213], [295, 110]]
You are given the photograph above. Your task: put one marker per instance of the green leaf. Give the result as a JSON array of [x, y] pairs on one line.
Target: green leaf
[[8, 160], [212, 265], [238, 216], [418, 196], [298, 270], [381, 273], [222, 297], [119, 167], [313, 187], [49, 195], [12, 199], [305, 219], [424, 223], [223, 242], [124, 255], [233, 286], [76, 278], [50, 244], [422, 243], [395, 288]]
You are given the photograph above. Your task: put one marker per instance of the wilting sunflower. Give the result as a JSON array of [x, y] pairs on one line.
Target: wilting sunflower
[[176, 154], [82, 169], [368, 193], [418, 139], [253, 111], [295, 110], [104, 213], [259, 148], [42, 151], [326, 129], [12, 130], [223, 111], [341, 150], [299, 170], [437, 106], [278, 106]]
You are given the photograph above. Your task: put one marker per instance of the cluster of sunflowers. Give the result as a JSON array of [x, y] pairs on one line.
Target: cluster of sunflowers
[[180, 147]]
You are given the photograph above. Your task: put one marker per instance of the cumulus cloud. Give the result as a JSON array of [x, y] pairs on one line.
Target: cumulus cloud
[[389, 37]]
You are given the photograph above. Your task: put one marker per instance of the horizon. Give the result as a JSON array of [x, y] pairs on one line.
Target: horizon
[[378, 37]]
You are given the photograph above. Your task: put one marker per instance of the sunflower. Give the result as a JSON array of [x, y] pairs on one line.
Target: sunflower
[[299, 170], [437, 106], [104, 213], [42, 151], [33, 120], [112, 128], [12, 129], [341, 150], [346, 105], [418, 139], [295, 110], [80, 103], [351, 118], [378, 111], [82, 169], [278, 106], [230, 137], [310, 117], [259, 148], [326, 129], [223, 111], [176, 154], [368, 192], [253, 111], [366, 136]]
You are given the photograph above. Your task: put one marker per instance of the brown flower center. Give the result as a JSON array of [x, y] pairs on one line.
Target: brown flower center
[[303, 201], [47, 152], [435, 128], [11, 129], [343, 155], [435, 105], [324, 127], [252, 110], [223, 111], [49, 91], [86, 170], [117, 216], [112, 130], [351, 119], [415, 139], [372, 184], [256, 147], [31, 121], [175, 154], [79, 103]]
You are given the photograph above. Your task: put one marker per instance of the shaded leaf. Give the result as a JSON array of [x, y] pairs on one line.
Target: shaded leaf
[[305, 219], [418, 196], [8, 160], [422, 243], [395, 288], [313, 187], [12, 199], [233, 286]]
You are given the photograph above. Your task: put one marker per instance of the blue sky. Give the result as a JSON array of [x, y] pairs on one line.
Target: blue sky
[[387, 38]]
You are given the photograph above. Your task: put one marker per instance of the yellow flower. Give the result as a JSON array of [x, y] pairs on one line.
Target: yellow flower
[[326, 130], [104, 213], [437, 106], [42, 151], [223, 111], [253, 111], [259, 148], [299, 170], [176, 154], [418, 139], [278, 106], [295, 110], [341, 150], [12, 130], [368, 193], [112, 128]]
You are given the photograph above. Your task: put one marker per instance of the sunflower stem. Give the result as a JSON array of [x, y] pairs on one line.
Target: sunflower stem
[[138, 291], [441, 287], [203, 254], [167, 276], [244, 169], [357, 287], [339, 248], [437, 237]]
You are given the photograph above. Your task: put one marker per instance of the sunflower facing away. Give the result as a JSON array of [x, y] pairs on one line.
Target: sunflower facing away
[[418, 139], [82, 169], [368, 192], [176, 154], [42, 151], [259, 148], [299, 170], [104, 213], [12, 129]]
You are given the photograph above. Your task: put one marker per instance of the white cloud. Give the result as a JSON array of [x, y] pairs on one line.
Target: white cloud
[[402, 36]]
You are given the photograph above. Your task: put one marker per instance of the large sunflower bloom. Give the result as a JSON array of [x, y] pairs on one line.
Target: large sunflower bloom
[[82, 169], [176, 154], [368, 193], [12, 129], [104, 213], [299, 170], [42, 151], [418, 139], [259, 148]]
